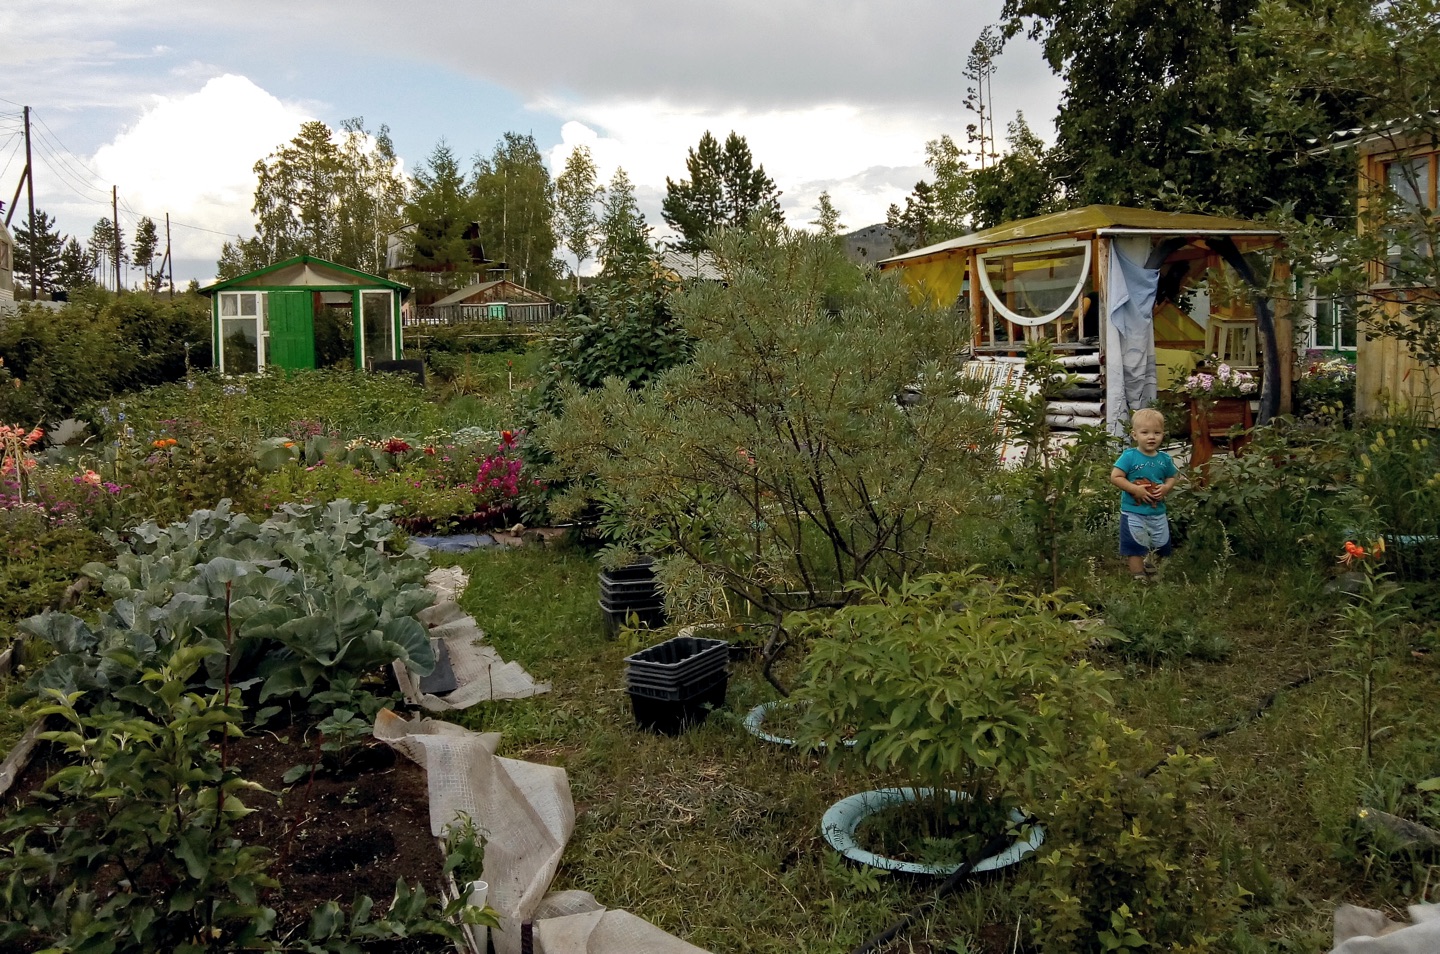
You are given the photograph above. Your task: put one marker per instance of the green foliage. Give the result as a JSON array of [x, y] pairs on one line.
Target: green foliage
[[442, 208], [725, 189], [1053, 477], [465, 851], [334, 195], [147, 800], [1144, 82], [624, 249], [1017, 186], [515, 206], [42, 249], [96, 346], [576, 193], [272, 405], [1127, 864], [954, 681], [778, 463], [1365, 643], [1155, 626], [38, 558], [296, 604], [618, 329]]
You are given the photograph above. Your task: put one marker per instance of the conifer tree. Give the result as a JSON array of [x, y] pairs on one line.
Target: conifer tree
[[143, 247], [42, 249], [441, 207], [724, 189], [76, 268]]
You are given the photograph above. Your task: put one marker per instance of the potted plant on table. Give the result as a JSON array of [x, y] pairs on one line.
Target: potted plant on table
[[967, 688], [1219, 402]]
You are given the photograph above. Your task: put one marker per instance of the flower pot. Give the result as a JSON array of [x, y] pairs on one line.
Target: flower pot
[[1212, 420], [844, 817]]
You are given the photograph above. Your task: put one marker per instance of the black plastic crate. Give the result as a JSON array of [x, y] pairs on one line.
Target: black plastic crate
[[639, 570], [677, 654], [668, 682], [643, 589], [674, 716], [676, 691]]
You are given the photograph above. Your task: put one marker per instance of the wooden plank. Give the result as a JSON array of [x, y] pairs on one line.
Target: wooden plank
[[19, 757]]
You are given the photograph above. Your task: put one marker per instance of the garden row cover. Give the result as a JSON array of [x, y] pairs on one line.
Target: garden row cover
[[528, 816], [480, 674]]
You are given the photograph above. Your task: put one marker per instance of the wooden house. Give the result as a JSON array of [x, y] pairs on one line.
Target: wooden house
[[1404, 164], [304, 312], [498, 300], [1128, 297]]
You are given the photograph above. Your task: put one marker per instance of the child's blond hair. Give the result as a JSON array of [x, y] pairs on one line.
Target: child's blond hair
[[1147, 415]]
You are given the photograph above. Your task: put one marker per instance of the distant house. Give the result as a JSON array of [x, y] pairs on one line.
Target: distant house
[[690, 266], [304, 312], [497, 300]]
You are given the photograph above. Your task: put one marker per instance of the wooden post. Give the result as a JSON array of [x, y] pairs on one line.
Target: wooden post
[[977, 298], [1285, 337]]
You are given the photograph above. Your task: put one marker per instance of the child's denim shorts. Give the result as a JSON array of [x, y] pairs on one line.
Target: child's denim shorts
[[1142, 534]]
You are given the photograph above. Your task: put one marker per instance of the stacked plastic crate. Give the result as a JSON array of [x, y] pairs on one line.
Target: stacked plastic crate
[[675, 684]]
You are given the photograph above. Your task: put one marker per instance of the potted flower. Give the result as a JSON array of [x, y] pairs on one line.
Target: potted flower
[[1219, 401]]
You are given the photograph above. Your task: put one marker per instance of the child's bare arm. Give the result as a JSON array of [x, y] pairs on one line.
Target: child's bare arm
[[1164, 489], [1140, 493]]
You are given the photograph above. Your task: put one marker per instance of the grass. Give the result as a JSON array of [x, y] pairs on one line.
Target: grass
[[715, 837]]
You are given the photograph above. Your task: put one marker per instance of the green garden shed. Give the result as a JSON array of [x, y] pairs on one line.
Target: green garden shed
[[304, 312]]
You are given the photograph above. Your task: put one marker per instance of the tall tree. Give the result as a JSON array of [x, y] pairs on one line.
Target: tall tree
[[576, 192], [724, 188], [515, 200], [337, 201], [143, 246], [42, 248], [370, 196], [240, 256], [829, 217], [106, 247], [76, 267], [624, 237], [1142, 79], [1017, 186], [441, 208]]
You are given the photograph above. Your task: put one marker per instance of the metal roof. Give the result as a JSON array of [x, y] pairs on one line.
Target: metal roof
[[1090, 219], [455, 298], [305, 271]]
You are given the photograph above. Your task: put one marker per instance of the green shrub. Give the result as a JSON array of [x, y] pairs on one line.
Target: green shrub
[[1126, 863], [951, 680]]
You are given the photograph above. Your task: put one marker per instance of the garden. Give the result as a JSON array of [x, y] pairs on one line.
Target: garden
[[216, 588]]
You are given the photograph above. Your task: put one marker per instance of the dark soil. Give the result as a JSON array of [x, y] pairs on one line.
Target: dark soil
[[341, 833], [348, 831]]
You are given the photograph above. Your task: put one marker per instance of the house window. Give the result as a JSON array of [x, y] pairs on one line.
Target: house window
[[243, 330], [1333, 327], [1411, 181]]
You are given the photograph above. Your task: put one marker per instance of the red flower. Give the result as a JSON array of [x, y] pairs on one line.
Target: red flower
[[396, 446]]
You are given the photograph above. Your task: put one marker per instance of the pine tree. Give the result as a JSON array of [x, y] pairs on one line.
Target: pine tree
[[106, 247], [77, 269], [829, 216], [576, 192], [441, 207], [43, 249], [725, 188]]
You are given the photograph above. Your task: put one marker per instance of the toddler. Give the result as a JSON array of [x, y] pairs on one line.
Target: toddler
[[1146, 475]]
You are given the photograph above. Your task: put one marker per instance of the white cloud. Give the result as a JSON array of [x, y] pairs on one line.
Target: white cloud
[[193, 155]]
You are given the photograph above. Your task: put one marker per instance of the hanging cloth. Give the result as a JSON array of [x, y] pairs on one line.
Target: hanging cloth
[[1129, 337]]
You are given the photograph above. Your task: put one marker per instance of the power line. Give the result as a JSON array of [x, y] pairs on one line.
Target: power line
[[83, 175]]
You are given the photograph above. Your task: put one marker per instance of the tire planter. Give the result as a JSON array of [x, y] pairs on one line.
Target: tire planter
[[844, 817], [755, 725]]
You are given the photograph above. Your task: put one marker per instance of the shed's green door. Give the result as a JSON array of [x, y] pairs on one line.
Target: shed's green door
[[292, 330]]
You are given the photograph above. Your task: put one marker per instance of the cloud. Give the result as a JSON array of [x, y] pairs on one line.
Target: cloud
[[193, 156]]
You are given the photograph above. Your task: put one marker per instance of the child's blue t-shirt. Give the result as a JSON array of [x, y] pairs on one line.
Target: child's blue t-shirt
[[1137, 464]]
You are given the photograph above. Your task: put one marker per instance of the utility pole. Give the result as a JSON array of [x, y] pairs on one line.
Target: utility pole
[[115, 211], [27, 181], [168, 260]]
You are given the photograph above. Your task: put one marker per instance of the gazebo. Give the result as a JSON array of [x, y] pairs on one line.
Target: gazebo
[[304, 311], [1125, 296]]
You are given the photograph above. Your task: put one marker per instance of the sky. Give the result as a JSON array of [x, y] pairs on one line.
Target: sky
[[172, 104]]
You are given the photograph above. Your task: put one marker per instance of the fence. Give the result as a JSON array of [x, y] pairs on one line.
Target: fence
[[520, 316]]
